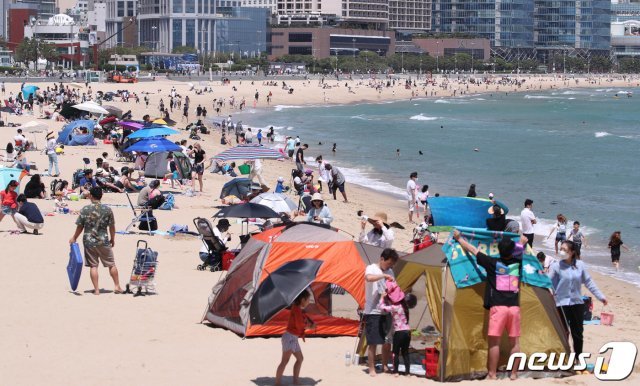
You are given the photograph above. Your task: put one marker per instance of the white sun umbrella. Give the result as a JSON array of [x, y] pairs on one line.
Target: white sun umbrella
[[75, 85], [277, 201], [91, 107]]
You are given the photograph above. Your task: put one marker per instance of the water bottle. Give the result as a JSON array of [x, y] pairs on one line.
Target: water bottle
[[347, 359]]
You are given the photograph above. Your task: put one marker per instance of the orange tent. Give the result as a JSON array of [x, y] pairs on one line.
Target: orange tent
[[344, 265]]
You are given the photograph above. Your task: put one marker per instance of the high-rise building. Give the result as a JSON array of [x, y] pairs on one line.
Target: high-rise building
[[164, 25], [625, 29], [573, 24], [46, 8], [410, 14], [369, 13], [506, 23], [120, 22]]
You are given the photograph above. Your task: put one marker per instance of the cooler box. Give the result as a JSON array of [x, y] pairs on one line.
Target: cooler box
[[431, 362]]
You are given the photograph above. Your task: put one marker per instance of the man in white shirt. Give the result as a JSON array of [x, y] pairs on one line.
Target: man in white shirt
[[20, 141], [222, 227], [528, 220], [377, 323], [411, 194], [381, 235]]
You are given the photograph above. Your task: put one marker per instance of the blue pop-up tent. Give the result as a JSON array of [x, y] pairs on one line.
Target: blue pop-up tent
[[8, 174], [68, 136], [29, 90]]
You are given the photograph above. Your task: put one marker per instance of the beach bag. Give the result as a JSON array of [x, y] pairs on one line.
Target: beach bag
[[146, 260], [148, 223], [169, 202], [179, 228], [244, 169], [606, 317]]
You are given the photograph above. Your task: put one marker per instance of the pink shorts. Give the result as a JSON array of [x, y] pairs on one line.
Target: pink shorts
[[504, 317]]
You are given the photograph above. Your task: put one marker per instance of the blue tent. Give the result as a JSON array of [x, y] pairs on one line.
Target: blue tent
[[8, 174], [68, 137], [29, 90]]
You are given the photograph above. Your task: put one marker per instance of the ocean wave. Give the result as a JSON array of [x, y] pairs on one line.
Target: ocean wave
[[362, 117], [284, 107], [543, 97], [601, 134], [421, 117], [442, 101]]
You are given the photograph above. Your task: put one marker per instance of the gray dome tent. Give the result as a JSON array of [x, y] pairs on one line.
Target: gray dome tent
[[157, 165]]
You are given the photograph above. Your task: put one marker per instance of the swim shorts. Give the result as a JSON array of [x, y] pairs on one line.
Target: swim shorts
[[93, 255], [504, 317]]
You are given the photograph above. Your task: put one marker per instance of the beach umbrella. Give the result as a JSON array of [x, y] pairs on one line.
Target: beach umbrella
[[154, 131], [249, 152], [75, 85], [279, 202], [133, 126], [91, 107], [281, 288], [247, 210], [153, 145], [164, 122], [238, 187], [159, 121], [113, 110]]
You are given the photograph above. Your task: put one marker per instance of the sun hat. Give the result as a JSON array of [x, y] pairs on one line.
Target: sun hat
[[280, 179], [394, 293], [380, 216], [317, 197], [493, 208], [224, 222], [491, 196], [308, 172], [99, 171]]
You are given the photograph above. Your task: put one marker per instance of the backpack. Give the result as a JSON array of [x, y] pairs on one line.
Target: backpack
[[77, 176], [169, 202]]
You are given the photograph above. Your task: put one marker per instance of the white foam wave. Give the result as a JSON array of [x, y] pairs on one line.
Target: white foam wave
[[442, 101], [543, 97], [569, 92], [283, 107], [421, 117], [362, 117], [601, 134]]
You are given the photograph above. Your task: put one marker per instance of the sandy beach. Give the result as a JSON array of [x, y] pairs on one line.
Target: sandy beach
[[54, 336]]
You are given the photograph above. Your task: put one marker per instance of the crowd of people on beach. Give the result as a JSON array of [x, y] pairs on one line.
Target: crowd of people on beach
[[387, 308]]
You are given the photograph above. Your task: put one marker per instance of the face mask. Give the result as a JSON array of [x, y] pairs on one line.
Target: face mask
[[563, 254]]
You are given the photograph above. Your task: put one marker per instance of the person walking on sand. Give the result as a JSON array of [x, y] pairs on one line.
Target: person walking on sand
[[300, 162], [501, 297], [578, 238], [411, 194], [615, 243], [528, 221], [298, 323], [376, 321], [96, 220], [567, 277], [337, 182]]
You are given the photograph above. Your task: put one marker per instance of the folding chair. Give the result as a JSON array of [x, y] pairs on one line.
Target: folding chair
[[141, 215], [214, 246]]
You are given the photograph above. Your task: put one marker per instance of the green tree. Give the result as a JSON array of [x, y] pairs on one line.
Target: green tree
[[600, 64], [29, 50], [184, 50]]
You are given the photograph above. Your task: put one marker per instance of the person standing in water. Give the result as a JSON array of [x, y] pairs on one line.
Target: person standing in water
[[561, 230], [615, 243]]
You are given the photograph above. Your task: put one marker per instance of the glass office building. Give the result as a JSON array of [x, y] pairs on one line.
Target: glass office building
[[581, 24], [506, 23], [242, 30], [166, 24]]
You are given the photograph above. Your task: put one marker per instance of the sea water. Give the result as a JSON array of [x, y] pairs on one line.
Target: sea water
[[575, 152]]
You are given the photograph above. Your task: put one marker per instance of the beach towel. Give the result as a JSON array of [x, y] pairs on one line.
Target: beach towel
[[465, 269]]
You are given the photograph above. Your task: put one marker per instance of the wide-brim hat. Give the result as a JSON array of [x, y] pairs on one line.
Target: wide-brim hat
[[379, 216], [99, 171], [493, 208], [394, 293], [317, 197]]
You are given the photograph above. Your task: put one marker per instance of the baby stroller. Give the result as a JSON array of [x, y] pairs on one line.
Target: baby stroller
[[143, 274], [212, 258]]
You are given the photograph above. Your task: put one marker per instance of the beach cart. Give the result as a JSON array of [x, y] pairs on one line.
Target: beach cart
[[143, 274]]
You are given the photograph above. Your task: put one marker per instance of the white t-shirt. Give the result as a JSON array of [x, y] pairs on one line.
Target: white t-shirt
[[526, 216], [411, 188], [372, 290]]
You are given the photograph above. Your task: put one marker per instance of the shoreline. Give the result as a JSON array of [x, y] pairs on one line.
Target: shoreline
[[179, 350]]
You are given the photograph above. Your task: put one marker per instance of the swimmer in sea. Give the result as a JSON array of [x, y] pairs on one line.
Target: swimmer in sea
[[334, 147], [420, 152], [397, 153]]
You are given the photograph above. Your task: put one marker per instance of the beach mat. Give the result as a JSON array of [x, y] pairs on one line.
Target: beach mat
[[74, 267]]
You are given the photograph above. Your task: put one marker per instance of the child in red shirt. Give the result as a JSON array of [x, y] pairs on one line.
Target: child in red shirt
[[298, 323], [8, 201]]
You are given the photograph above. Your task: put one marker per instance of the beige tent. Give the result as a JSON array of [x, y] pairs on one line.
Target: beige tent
[[459, 316]]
